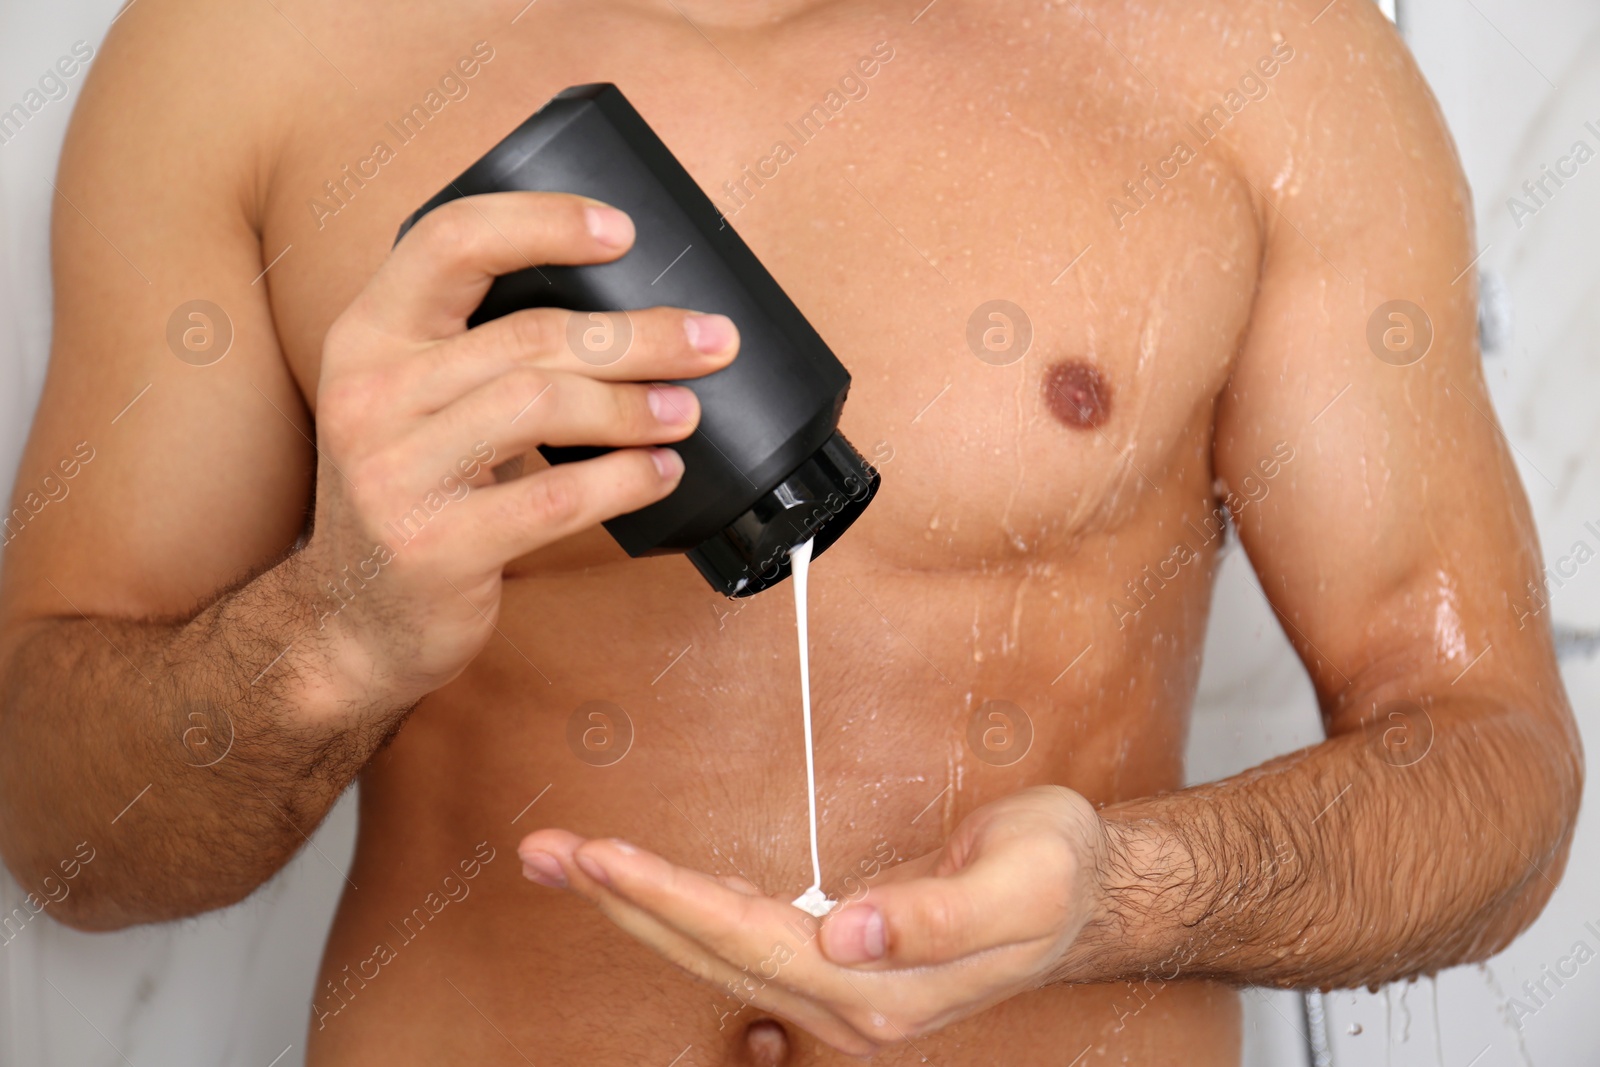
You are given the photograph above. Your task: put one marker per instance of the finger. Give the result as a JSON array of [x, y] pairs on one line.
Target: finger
[[772, 940], [550, 857], [439, 272], [542, 855], [738, 884], [653, 344], [582, 873], [514, 518], [738, 927], [1010, 892], [527, 407], [878, 1008]]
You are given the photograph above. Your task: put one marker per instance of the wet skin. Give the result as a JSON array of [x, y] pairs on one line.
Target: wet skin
[[979, 573], [1184, 350]]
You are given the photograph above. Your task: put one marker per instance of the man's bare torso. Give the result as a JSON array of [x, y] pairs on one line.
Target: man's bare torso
[[994, 565]]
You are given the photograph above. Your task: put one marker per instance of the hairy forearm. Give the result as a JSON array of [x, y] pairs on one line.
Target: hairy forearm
[[1346, 863], [194, 757]]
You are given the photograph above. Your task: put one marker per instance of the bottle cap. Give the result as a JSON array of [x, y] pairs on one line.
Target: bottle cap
[[817, 501]]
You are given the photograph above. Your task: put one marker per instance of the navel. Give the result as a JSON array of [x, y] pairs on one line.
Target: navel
[[766, 1043], [1077, 394]]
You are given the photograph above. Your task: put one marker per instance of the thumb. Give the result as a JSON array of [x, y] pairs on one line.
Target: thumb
[[1010, 891]]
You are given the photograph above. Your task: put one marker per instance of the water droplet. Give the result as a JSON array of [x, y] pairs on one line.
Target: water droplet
[[1355, 1028]]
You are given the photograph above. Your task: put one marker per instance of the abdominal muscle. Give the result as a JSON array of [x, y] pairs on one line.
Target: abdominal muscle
[[623, 698]]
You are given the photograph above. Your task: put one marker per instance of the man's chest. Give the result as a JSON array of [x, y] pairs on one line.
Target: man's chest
[[1027, 358]]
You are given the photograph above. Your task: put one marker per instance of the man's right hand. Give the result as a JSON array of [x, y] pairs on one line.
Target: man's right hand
[[413, 410], [184, 682]]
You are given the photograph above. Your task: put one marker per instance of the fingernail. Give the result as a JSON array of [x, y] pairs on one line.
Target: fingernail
[[872, 935], [668, 463], [594, 870], [709, 333], [545, 869], [672, 404], [608, 225], [855, 935]]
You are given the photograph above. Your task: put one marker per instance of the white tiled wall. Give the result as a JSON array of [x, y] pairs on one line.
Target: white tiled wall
[[1518, 79]]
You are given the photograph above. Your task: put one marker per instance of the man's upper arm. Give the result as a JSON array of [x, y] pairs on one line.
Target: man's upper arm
[[1397, 542], [154, 475]]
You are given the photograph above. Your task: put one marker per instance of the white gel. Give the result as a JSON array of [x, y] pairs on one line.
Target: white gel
[[813, 901]]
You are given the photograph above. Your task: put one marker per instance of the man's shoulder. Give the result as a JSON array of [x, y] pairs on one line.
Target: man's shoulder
[[1301, 81], [1310, 101], [190, 94], [1192, 43]]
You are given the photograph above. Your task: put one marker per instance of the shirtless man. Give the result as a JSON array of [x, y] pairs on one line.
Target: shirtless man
[[1202, 210]]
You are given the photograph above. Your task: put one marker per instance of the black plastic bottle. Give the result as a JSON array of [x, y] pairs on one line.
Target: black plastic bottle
[[766, 468]]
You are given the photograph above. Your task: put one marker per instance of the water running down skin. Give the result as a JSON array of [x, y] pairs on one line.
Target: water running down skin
[[813, 900]]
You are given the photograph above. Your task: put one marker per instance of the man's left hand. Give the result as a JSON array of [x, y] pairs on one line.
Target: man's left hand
[[935, 939]]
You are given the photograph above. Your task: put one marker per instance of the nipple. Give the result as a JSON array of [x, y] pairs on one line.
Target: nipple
[[1077, 394], [767, 1043]]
